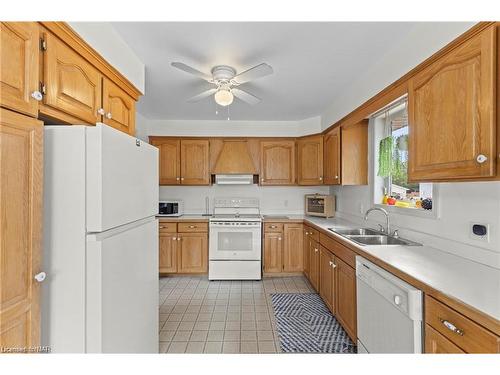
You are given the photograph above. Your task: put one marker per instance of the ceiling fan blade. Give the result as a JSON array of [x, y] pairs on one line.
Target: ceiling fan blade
[[245, 96], [190, 70], [203, 95], [257, 71]]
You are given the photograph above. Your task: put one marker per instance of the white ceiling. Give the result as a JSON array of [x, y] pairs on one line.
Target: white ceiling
[[313, 63]]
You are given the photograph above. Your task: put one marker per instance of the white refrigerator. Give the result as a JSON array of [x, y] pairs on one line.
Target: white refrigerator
[[100, 248]]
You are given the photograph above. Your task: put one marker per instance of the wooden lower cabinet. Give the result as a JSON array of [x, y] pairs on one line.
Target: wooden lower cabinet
[[21, 179], [273, 250], [293, 256], [327, 282], [183, 247], [314, 264], [346, 298], [192, 253], [435, 343], [168, 252], [305, 250]]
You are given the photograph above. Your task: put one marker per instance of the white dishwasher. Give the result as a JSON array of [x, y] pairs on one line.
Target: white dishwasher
[[389, 311]]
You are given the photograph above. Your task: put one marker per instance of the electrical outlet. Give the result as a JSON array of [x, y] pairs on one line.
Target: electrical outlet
[[361, 208], [479, 231]]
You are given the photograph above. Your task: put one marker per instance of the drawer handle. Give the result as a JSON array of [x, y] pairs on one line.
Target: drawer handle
[[273, 227], [161, 227], [452, 327], [192, 226]]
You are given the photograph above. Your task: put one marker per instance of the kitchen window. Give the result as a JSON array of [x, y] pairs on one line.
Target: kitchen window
[[391, 186]]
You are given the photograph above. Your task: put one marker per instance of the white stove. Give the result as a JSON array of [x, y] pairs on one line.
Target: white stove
[[235, 248]]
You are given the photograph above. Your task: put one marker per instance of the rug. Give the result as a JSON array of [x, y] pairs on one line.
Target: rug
[[305, 325]]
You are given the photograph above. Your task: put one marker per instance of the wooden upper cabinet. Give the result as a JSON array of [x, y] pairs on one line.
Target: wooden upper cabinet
[[170, 160], [195, 162], [19, 67], [354, 150], [273, 251], [331, 157], [293, 254], [451, 107], [277, 160], [346, 297], [118, 106], [21, 175], [73, 85], [310, 160]]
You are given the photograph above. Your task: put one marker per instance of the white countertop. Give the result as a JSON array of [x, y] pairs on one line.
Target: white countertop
[[184, 217], [473, 283]]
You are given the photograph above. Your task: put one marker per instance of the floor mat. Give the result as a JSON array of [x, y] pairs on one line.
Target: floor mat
[[305, 325]]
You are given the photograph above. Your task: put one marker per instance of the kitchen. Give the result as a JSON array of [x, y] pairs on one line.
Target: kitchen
[[252, 217]]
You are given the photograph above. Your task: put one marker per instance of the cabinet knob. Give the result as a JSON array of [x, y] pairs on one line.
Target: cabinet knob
[[174, 238], [336, 177], [279, 238], [177, 178], [262, 179], [109, 115], [178, 238], [331, 263], [274, 226], [321, 178], [182, 178], [161, 227], [334, 265], [192, 226], [101, 111], [481, 158], [315, 250], [39, 277], [37, 95]]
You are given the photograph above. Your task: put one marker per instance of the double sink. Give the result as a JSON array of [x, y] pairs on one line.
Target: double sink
[[366, 236]]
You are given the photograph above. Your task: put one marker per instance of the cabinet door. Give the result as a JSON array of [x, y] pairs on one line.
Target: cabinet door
[[273, 250], [19, 67], [192, 253], [168, 252], [73, 85], [310, 160], [452, 114], [346, 297], [21, 176], [314, 264], [354, 149], [293, 253], [331, 160], [327, 278], [277, 160], [119, 108], [170, 161], [305, 251], [195, 162], [435, 343]]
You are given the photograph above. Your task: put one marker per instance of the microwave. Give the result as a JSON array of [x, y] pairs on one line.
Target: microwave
[[320, 205], [171, 208]]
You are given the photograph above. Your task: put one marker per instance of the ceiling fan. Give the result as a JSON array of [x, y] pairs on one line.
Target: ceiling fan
[[226, 82]]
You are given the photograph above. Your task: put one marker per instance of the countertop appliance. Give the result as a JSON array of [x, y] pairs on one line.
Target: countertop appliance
[[171, 208], [100, 241], [389, 311], [235, 247], [320, 205]]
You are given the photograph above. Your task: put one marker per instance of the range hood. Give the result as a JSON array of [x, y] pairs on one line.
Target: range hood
[[234, 179]]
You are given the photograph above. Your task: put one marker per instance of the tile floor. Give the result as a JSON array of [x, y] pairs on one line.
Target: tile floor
[[201, 316]]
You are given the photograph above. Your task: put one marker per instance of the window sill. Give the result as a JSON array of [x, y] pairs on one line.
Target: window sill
[[428, 214]]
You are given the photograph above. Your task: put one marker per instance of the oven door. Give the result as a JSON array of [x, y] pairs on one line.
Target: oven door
[[235, 241]]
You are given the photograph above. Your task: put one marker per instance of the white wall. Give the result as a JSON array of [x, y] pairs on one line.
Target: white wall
[[460, 203], [105, 40], [228, 128], [273, 200], [421, 43]]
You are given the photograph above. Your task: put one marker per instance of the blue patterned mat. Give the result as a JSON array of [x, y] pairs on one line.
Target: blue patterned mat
[[305, 325]]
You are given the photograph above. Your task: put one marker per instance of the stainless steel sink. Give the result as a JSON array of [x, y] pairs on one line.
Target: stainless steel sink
[[355, 231], [366, 236]]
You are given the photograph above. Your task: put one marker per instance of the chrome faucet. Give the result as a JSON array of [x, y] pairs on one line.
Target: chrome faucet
[[387, 224]]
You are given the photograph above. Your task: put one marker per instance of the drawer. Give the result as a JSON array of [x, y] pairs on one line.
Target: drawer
[[436, 343], [312, 233], [192, 227], [273, 227], [167, 227], [460, 330], [341, 251]]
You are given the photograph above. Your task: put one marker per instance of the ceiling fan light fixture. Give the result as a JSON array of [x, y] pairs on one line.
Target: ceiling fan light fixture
[[224, 97]]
